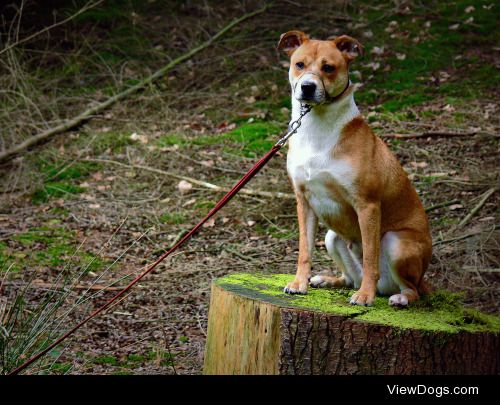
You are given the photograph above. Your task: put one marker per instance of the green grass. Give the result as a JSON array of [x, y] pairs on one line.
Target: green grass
[[174, 218], [108, 360], [8, 259], [55, 190], [275, 231], [132, 361]]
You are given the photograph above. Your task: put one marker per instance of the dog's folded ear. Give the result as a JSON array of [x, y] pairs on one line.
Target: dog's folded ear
[[291, 40], [350, 47]]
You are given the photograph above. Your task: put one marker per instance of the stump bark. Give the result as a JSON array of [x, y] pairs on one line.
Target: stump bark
[[254, 328]]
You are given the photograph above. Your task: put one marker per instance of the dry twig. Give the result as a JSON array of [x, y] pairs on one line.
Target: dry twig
[[267, 194], [479, 205]]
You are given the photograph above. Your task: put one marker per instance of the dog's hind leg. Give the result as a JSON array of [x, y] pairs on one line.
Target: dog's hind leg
[[407, 256], [346, 259]]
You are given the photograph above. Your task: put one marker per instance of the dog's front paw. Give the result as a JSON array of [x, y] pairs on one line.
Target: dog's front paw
[[296, 287], [363, 297]]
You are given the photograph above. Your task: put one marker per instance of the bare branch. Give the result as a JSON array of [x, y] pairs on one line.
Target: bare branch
[[71, 123]]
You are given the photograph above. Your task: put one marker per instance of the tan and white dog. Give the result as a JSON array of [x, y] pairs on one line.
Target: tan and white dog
[[345, 176]]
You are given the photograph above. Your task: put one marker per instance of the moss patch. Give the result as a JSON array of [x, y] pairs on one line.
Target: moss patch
[[439, 312], [50, 245], [407, 82], [59, 178], [249, 139]]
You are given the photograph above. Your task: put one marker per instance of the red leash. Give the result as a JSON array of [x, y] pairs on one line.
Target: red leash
[[244, 180]]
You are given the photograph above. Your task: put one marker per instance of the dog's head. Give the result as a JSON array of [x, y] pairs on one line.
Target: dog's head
[[319, 70]]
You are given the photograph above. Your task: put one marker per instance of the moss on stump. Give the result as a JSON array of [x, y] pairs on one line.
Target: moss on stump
[[254, 328]]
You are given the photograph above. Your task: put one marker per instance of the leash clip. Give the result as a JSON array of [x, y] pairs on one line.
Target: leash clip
[[295, 125]]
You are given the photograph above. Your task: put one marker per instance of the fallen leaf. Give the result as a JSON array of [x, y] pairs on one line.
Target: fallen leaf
[[455, 207], [97, 176], [88, 197], [391, 27], [141, 138], [419, 165], [373, 65], [251, 223], [184, 187], [207, 163], [94, 206], [210, 223], [249, 100], [255, 91], [377, 50]]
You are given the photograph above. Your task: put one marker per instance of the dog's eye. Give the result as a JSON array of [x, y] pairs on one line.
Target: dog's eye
[[299, 65], [328, 68]]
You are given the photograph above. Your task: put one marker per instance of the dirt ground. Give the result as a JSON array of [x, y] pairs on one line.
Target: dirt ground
[[89, 204]]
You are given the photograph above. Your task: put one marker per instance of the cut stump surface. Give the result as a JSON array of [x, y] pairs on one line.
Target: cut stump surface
[[254, 328]]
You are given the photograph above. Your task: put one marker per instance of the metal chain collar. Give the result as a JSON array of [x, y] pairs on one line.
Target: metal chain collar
[[295, 125]]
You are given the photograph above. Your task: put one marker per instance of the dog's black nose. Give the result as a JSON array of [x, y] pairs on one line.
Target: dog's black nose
[[308, 89]]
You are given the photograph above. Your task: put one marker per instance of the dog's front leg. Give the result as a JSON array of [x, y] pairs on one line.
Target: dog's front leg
[[369, 222], [308, 225]]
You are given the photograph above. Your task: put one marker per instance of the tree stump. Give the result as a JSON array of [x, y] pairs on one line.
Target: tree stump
[[254, 328]]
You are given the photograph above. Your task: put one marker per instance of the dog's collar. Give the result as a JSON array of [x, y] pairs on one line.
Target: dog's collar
[[330, 99]]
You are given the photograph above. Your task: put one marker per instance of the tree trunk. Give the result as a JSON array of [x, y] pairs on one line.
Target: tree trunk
[[254, 328]]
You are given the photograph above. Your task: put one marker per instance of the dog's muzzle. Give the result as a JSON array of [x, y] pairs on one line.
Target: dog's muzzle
[[309, 88]]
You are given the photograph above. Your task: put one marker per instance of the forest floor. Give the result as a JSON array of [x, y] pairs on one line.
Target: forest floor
[[87, 202]]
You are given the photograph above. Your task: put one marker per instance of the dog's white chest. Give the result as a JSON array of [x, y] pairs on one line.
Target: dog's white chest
[[311, 163], [319, 176]]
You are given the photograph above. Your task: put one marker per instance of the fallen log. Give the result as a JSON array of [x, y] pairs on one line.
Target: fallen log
[[254, 328]]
